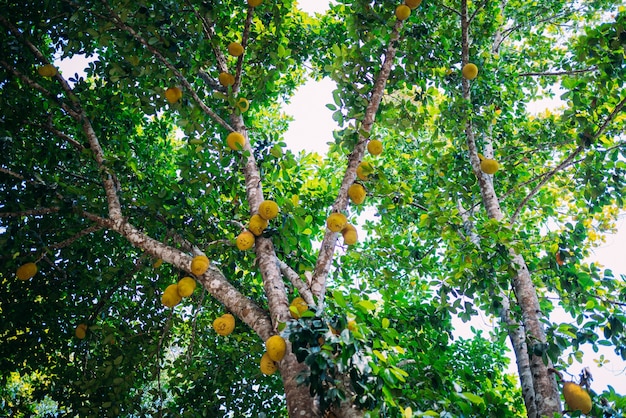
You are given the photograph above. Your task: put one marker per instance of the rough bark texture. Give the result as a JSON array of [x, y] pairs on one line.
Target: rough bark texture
[[297, 282], [517, 336], [299, 400], [547, 397], [533, 373]]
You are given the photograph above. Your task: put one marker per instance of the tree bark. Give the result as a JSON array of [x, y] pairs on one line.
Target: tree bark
[[517, 336], [514, 327], [534, 372], [327, 248], [300, 403]]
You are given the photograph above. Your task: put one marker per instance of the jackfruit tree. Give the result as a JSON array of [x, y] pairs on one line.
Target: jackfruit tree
[[164, 253]]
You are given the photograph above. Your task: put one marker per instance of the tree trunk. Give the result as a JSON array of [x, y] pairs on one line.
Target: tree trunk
[[300, 403], [517, 336], [535, 372]]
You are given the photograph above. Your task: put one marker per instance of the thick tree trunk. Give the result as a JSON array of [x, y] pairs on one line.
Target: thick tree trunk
[[300, 403], [514, 328], [547, 398]]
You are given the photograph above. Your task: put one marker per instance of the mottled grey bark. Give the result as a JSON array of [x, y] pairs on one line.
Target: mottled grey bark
[[533, 372]]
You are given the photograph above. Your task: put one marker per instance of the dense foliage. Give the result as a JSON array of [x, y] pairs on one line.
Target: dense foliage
[[103, 178]]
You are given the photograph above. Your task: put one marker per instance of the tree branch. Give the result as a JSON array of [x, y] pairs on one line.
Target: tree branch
[[327, 247], [213, 280], [13, 174], [244, 42], [488, 193], [108, 179], [533, 374], [450, 9], [546, 177], [64, 136], [568, 161], [297, 282], [36, 86], [31, 212], [209, 32], [535, 21], [480, 6], [117, 21], [77, 236], [557, 73]]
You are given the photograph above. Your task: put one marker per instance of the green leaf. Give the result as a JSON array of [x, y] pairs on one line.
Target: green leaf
[[385, 323], [475, 399], [366, 305], [339, 299]]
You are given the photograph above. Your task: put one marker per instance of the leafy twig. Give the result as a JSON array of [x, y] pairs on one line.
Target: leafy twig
[[478, 8], [568, 161], [450, 9], [117, 21], [509, 31], [34, 85], [209, 32]]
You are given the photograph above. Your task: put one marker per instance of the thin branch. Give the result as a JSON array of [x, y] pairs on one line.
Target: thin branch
[[64, 136], [557, 73], [211, 82], [297, 282], [31, 212], [406, 362], [77, 236], [539, 176], [480, 6], [40, 57], [508, 32], [34, 85], [419, 206], [30, 181], [194, 324], [568, 161], [613, 302], [209, 32], [139, 264], [450, 9], [117, 21], [520, 185], [618, 108], [14, 174], [108, 179], [224, 242], [244, 42], [468, 223]]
